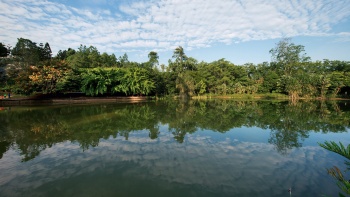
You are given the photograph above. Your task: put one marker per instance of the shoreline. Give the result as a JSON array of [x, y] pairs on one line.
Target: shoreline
[[77, 100], [120, 99]]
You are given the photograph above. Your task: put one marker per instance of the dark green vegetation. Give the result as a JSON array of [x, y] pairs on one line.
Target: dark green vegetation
[[29, 68], [290, 123], [342, 182]]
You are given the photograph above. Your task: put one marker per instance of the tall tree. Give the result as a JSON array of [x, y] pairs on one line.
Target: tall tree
[[287, 55], [179, 55], [27, 51], [85, 57], [108, 60], [180, 58], [153, 59], [47, 53], [63, 55], [123, 60]]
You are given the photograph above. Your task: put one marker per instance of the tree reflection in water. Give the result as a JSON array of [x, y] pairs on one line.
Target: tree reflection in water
[[33, 129]]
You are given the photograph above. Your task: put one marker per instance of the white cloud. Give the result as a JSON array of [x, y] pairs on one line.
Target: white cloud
[[165, 23], [135, 8], [200, 161]]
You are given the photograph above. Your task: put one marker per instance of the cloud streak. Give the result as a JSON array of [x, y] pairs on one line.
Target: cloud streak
[[162, 25]]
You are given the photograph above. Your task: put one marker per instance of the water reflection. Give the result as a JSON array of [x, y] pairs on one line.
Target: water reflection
[[140, 166], [32, 130], [213, 148]]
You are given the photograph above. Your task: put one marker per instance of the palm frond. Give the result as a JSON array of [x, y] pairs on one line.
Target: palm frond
[[334, 147]]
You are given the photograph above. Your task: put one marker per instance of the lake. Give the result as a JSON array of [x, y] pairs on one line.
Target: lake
[[172, 148]]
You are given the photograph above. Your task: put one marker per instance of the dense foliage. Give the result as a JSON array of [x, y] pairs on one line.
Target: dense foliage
[[30, 68]]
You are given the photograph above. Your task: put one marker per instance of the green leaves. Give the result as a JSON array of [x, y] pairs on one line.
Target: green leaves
[[335, 172], [29, 53], [96, 81], [334, 147], [290, 73], [288, 54], [4, 51], [87, 57], [130, 81], [153, 59]]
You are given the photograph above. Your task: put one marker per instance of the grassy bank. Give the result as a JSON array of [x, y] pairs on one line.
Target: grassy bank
[[244, 96]]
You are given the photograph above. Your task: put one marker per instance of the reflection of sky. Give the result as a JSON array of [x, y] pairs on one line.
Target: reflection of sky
[[256, 134], [322, 137], [237, 163], [251, 134]]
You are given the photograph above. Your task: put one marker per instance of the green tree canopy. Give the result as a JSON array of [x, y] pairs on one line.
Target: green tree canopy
[[288, 54], [153, 59], [4, 51]]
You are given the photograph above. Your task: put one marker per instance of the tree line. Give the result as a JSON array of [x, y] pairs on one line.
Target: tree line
[[30, 68]]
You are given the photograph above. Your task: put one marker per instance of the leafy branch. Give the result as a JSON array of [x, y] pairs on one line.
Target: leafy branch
[[335, 172]]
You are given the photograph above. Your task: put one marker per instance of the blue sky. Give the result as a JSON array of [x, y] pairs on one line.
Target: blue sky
[[240, 31]]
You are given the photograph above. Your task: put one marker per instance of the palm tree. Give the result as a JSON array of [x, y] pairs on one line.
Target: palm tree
[[179, 55]]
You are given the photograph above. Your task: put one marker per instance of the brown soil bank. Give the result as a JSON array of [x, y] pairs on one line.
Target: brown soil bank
[[69, 98]]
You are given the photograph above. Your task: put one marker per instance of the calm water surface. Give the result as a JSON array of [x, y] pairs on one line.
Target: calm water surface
[[213, 148]]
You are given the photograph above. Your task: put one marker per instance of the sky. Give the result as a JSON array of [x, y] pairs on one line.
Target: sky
[[241, 31]]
